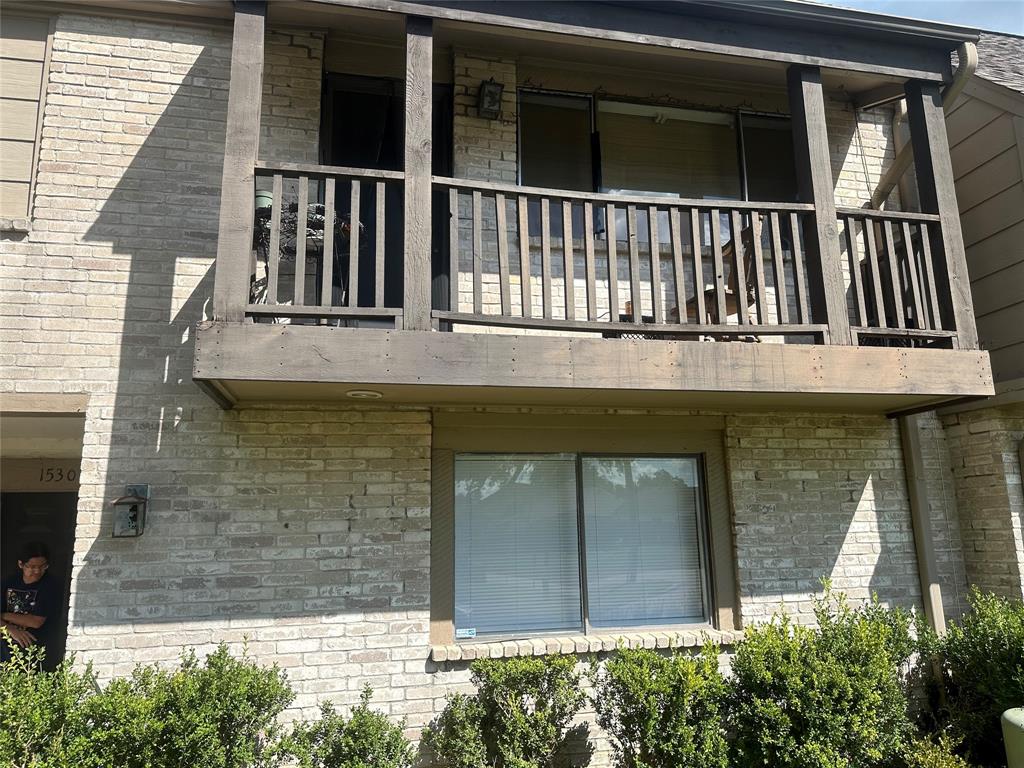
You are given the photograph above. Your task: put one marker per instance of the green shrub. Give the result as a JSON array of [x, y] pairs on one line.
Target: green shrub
[[663, 712], [518, 718], [983, 669], [42, 724], [830, 697], [366, 740], [925, 753]]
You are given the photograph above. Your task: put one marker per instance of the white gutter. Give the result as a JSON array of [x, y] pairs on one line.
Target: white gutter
[[967, 54]]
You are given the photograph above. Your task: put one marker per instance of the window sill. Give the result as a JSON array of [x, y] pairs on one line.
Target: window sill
[[14, 225], [498, 649]]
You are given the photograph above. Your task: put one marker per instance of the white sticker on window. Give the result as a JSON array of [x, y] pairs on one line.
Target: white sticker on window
[[465, 634]]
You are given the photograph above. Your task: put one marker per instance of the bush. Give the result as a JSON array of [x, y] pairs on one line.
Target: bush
[[221, 713], [983, 669], [366, 740], [826, 698], [518, 718], [41, 718], [925, 753], [663, 712]]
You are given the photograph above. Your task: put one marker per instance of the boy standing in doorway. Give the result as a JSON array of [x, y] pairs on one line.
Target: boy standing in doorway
[[28, 600]]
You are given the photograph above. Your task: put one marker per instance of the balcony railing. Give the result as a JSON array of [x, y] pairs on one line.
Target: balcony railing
[[618, 266]]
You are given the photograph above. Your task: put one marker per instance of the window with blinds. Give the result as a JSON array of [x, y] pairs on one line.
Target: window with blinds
[[530, 529]]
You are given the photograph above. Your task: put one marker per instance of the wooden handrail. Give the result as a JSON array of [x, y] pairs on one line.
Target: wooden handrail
[[265, 168]]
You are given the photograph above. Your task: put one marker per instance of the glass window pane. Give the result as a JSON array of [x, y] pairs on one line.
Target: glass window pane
[[768, 154], [642, 542], [666, 150], [554, 141], [516, 544]]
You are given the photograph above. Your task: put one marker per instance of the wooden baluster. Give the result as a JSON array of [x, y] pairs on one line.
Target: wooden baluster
[[545, 256], [567, 254], [588, 247], [274, 252], [301, 219], [634, 265], [675, 232], [503, 269], [453, 249], [656, 295], [853, 255], [524, 255], [716, 255], [698, 267], [876, 275], [779, 260], [929, 271], [913, 275], [353, 246], [327, 272], [894, 273], [379, 223], [478, 254], [613, 263], [798, 266], [739, 274], [761, 298]]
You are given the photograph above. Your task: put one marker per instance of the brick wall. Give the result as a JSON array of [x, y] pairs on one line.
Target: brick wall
[[984, 449]]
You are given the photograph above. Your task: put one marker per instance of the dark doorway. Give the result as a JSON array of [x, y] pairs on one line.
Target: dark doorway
[[364, 127], [49, 518]]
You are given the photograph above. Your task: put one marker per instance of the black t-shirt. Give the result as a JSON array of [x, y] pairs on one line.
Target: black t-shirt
[[38, 598]]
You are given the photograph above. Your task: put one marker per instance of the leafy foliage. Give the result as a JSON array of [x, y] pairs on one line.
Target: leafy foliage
[[367, 739], [41, 718], [663, 712], [983, 670], [830, 697], [925, 753], [518, 718]]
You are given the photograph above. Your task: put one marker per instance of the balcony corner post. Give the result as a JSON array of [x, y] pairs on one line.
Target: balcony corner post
[[241, 149], [814, 179], [419, 43], [934, 169]]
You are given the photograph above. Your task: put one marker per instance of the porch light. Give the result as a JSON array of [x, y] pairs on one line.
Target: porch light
[[130, 512], [488, 99]]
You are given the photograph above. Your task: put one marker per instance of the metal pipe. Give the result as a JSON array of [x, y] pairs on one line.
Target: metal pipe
[[967, 54]]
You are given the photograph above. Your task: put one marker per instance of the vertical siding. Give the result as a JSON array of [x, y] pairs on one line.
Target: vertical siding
[[987, 148]]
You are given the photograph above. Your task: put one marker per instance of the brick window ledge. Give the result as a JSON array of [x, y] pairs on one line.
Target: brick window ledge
[[19, 225], [593, 643]]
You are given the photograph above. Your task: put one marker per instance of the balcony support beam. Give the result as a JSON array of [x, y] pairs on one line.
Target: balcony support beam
[[814, 180], [936, 191], [419, 45], [241, 148]]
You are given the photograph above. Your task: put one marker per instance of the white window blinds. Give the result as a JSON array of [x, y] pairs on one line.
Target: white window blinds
[[642, 541], [516, 544]]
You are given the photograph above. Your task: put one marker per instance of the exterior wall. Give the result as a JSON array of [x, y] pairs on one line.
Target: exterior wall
[[986, 143], [985, 451]]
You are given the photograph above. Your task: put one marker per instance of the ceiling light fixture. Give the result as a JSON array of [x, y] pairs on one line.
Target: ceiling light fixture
[[364, 394]]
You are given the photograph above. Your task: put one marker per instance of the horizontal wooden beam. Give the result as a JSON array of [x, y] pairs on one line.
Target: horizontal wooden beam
[[289, 310], [871, 213], [614, 26], [661, 201], [233, 352], [320, 171]]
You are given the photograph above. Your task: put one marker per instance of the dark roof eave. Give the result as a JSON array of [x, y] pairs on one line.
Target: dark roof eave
[[789, 13]]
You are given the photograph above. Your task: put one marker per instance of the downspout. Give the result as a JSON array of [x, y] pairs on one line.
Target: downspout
[[967, 54]]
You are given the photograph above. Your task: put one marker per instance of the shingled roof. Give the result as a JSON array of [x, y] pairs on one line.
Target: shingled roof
[[1001, 60]]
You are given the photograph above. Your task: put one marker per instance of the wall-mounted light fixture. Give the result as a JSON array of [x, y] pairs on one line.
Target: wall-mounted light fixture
[[130, 512], [488, 99]]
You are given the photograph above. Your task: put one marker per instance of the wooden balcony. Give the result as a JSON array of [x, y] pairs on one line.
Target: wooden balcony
[[431, 289]]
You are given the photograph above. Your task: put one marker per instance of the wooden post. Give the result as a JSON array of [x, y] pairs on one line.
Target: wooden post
[[814, 178], [241, 148], [917, 491], [419, 51], [934, 170]]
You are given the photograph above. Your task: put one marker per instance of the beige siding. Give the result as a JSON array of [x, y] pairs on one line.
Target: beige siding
[[22, 60], [987, 147]]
